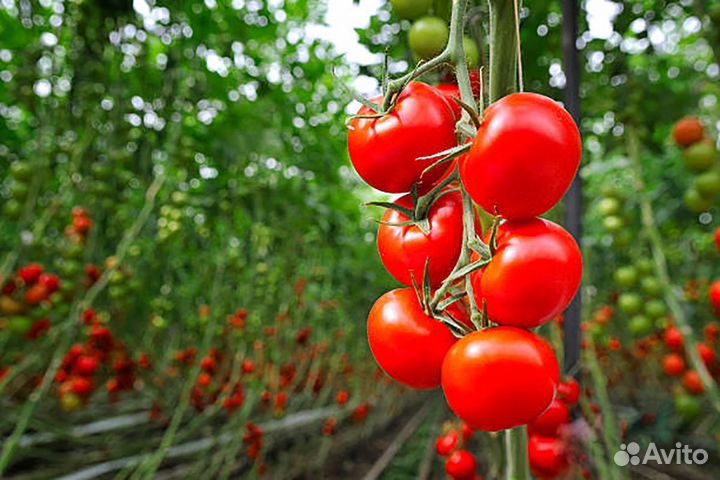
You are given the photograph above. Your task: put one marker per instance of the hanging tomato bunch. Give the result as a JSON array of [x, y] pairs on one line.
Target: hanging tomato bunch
[[463, 319]]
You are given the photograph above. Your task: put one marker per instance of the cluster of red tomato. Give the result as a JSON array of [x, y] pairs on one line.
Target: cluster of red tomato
[[701, 156], [522, 161], [674, 366], [80, 370], [26, 299], [551, 439], [460, 463]]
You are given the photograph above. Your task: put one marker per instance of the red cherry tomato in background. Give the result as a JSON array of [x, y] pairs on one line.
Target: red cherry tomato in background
[[30, 273], [692, 382], [717, 238], [708, 355], [524, 157], [673, 365], [548, 457], [406, 343], [673, 338], [404, 250], [500, 378], [549, 422], [533, 276], [384, 151], [461, 465], [569, 392], [447, 443], [715, 296]]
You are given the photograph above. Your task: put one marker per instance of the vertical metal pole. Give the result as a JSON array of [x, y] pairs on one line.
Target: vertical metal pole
[[573, 200]]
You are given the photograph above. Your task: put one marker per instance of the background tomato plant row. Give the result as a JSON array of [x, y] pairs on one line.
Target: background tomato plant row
[[221, 225]]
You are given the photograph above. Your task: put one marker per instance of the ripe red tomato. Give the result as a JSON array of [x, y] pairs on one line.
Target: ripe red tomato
[[517, 371], [673, 365], [548, 456], [30, 273], [407, 344], [708, 355], [715, 296], [569, 392], [717, 238], [384, 151], [673, 338], [81, 386], [549, 422], [85, 366], [447, 443], [404, 250], [524, 157], [461, 465], [692, 382], [687, 131], [533, 276], [50, 282], [450, 91], [36, 294]]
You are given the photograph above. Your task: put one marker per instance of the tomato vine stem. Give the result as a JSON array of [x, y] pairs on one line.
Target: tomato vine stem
[[647, 216]]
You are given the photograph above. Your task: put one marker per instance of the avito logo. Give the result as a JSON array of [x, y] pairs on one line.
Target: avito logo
[[681, 454]]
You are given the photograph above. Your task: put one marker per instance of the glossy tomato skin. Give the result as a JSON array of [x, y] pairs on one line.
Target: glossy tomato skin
[[500, 378], [450, 91], [407, 344], [404, 250], [524, 157], [533, 276], [551, 420], [548, 457], [384, 150]]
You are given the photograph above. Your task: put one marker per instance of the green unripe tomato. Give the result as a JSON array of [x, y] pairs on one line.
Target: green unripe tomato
[[411, 9], [700, 156], [472, 54], [626, 277], [428, 36], [21, 171], [695, 202], [687, 406], [609, 206], [645, 266], [640, 325], [69, 267], [613, 223], [630, 303], [19, 325], [117, 291], [651, 286], [19, 190], [598, 334], [655, 309], [12, 209], [708, 183]]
